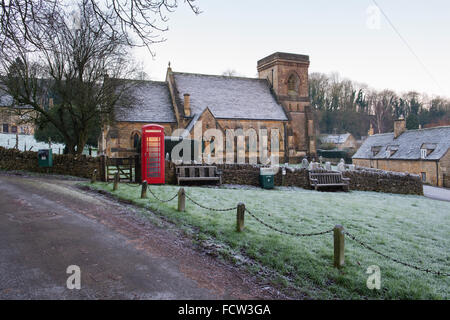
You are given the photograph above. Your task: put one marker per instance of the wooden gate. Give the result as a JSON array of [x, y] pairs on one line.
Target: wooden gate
[[125, 167]]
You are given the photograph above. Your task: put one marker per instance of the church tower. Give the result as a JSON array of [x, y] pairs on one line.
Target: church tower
[[288, 75]]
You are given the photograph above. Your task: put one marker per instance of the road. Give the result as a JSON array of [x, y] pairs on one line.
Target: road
[[436, 193], [47, 225]]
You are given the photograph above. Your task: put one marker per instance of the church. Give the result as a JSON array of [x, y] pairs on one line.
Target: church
[[277, 99]]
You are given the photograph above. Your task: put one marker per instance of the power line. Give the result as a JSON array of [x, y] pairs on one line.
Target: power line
[[409, 47]]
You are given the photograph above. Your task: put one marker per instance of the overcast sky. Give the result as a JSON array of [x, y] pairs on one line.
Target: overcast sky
[[339, 36]]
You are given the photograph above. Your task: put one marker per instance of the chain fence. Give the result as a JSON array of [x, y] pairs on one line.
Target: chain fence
[[364, 245], [286, 232], [351, 236], [159, 199], [209, 208]]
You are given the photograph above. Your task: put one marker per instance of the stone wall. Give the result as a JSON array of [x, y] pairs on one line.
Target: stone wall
[[360, 179], [80, 166]]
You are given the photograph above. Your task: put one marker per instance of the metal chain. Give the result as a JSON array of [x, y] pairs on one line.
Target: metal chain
[[208, 208], [286, 232], [352, 237], [159, 199]]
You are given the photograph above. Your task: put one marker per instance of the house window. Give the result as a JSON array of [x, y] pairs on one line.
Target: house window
[[375, 150], [14, 129], [423, 153], [424, 176], [5, 128]]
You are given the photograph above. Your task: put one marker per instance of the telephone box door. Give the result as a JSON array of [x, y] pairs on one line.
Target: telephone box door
[[153, 154]]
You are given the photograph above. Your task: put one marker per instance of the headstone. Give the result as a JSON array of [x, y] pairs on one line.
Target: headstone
[[328, 166], [305, 163], [351, 167], [341, 165]]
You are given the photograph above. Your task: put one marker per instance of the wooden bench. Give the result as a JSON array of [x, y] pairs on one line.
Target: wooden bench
[[198, 173], [324, 178]]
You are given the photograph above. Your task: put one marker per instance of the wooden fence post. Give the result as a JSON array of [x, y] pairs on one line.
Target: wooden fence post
[[94, 176], [240, 217], [137, 168], [131, 165], [103, 168], [181, 199], [144, 190], [116, 181], [339, 242]]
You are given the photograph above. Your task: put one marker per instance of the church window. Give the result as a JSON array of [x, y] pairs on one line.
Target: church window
[[292, 84]]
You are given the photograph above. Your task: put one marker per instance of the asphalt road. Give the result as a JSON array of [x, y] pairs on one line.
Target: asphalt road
[[47, 225], [436, 193]]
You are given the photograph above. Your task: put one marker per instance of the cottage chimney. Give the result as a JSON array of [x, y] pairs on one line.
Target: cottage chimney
[[187, 105], [399, 127]]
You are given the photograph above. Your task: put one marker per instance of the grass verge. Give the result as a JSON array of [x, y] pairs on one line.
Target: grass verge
[[412, 229]]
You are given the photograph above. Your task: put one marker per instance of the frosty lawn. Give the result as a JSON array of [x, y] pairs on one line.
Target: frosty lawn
[[409, 228]]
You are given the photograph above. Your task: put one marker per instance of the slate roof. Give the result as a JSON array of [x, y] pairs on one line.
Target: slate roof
[[7, 101], [334, 138], [229, 97], [407, 146], [151, 102]]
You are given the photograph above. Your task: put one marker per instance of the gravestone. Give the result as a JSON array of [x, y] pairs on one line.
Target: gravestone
[[328, 166], [341, 165], [305, 163]]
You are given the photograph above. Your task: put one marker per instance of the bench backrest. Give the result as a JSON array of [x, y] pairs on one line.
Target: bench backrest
[[196, 171], [326, 177]]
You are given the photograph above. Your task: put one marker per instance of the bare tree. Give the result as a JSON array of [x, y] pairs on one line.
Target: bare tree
[[68, 74], [230, 73], [141, 22]]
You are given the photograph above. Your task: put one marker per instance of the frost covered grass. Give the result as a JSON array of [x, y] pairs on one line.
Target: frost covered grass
[[8, 140], [412, 229]]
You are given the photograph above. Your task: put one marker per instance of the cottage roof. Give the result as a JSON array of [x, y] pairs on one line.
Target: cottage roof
[[7, 100], [229, 97], [150, 102], [407, 146]]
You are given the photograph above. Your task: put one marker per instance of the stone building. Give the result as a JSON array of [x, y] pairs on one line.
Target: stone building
[[277, 99], [425, 152], [14, 119]]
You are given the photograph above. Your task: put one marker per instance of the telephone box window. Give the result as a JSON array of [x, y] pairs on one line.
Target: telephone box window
[[152, 154]]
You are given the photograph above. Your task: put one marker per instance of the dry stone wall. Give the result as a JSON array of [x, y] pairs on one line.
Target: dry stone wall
[[78, 166]]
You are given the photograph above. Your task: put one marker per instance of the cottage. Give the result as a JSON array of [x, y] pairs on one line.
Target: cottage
[[424, 152], [277, 99], [13, 118]]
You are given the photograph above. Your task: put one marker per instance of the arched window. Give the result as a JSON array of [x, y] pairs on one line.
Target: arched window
[[136, 141], [292, 84]]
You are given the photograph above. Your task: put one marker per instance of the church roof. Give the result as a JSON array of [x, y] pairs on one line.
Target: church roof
[[407, 146], [229, 97], [150, 102]]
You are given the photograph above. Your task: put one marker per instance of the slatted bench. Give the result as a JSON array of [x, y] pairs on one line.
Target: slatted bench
[[198, 173], [323, 178]]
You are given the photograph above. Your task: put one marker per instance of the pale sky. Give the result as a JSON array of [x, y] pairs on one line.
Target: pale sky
[[339, 36]]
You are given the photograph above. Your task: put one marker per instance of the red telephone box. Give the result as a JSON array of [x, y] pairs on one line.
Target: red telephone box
[[152, 154]]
